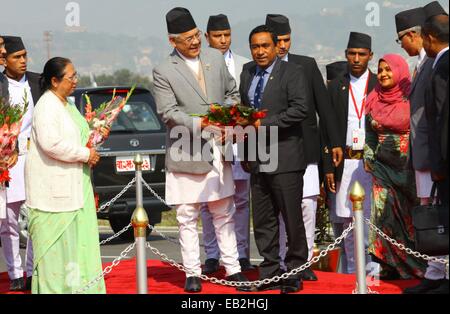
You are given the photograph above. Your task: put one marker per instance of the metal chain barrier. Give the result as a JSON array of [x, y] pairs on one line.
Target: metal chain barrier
[[154, 193], [403, 247], [152, 228], [224, 282], [115, 198], [116, 235], [107, 269]]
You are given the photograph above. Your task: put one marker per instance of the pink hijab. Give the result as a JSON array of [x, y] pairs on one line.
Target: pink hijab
[[391, 108]]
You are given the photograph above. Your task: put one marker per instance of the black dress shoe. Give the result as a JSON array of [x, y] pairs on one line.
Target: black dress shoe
[[424, 286], [308, 275], [211, 266], [269, 286], [17, 285], [28, 284], [442, 289], [246, 265], [241, 278], [193, 285], [291, 285]]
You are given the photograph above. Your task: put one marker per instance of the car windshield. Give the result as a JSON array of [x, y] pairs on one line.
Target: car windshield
[[136, 115]]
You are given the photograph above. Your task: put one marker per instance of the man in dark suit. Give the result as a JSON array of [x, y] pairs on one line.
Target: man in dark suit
[[318, 105], [20, 81], [3, 81], [409, 29], [281, 89], [347, 96], [435, 34]]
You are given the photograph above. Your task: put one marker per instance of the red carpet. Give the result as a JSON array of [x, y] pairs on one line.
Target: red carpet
[[164, 279]]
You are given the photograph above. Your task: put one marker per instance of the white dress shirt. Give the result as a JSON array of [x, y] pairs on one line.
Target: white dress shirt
[[439, 55], [358, 87]]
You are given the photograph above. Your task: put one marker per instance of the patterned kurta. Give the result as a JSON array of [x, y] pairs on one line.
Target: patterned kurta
[[394, 195]]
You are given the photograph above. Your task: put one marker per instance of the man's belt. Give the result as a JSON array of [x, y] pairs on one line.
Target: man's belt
[[353, 154]]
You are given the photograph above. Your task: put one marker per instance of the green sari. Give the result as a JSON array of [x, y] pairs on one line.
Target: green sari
[[66, 245]]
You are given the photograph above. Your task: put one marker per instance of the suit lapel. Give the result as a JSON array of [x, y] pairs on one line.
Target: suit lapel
[[182, 68], [207, 74], [343, 90], [273, 75], [246, 83]]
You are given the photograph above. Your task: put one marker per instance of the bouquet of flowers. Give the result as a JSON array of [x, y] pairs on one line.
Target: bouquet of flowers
[[231, 116], [10, 123], [103, 117]]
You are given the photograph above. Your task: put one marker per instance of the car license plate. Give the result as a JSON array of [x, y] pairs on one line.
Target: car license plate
[[126, 164]]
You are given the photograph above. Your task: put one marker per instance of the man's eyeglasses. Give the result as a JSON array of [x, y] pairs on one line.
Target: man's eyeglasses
[[73, 78], [399, 39], [190, 39]]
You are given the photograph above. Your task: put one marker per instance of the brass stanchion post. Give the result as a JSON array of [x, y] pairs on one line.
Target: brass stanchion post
[[357, 196], [139, 220]]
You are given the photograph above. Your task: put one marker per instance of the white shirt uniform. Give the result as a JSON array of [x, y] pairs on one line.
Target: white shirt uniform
[[17, 90], [354, 169]]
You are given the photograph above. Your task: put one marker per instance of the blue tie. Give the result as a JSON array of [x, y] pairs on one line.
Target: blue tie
[[259, 90]]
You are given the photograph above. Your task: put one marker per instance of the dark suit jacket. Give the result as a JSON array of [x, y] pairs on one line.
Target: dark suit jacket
[[286, 99], [4, 87], [437, 116], [418, 155], [338, 92], [34, 80], [318, 103]]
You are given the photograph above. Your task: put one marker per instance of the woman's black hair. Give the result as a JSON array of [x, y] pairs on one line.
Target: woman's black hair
[[53, 68]]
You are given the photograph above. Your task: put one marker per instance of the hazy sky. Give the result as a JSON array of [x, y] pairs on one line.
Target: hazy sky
[[320, 27], [146, 17]]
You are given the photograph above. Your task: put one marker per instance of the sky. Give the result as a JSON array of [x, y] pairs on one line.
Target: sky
[[320, 27]]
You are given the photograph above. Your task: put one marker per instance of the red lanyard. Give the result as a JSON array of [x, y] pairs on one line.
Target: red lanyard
[[363, 104]]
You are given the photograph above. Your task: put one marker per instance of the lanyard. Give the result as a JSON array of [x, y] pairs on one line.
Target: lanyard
[[363, 104]]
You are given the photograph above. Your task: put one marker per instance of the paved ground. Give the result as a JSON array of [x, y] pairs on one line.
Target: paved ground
[[113, 249]]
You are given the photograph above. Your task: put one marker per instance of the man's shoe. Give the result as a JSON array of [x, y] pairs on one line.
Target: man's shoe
[[241, 278], [193, 285], [308, 275], [442, 289], [245, 264], [17, 285], [291, 285], [28, 284], [269, 286], [424, 286], [211, 266]]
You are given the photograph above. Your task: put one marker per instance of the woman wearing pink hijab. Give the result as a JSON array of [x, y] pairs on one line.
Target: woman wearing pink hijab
[[385, 156]]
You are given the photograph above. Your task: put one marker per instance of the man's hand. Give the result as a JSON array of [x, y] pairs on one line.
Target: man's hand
[[105, 132], [331, 184], [338, 156], [367, 167], [437, 177]]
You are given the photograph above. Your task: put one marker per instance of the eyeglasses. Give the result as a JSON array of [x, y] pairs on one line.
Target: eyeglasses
[[73, 78], [190, 39], [399, 40]]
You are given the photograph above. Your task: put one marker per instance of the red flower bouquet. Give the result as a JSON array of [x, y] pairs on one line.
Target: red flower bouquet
[[231, 116], [10, 123], [103, 117]]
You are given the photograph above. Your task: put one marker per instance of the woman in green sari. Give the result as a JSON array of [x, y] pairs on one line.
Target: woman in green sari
[[62, 216], [385, 156]]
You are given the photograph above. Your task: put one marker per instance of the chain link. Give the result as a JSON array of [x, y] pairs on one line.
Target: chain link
[[152, 228], [115, 198], [154, 193], [224, 282], [116, 235], [107, 269], [403, 248]]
